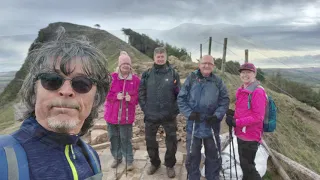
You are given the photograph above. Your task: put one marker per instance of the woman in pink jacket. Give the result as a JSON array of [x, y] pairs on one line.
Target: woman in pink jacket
[[120, 110], [247, 119]]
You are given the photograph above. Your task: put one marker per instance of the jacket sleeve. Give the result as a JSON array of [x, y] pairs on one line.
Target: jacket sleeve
[[142, 91], [135, 94], [177, 86], [223, 100], [182, 99], [112, 94], [258, 105]]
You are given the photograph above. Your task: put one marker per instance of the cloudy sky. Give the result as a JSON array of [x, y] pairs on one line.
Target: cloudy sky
[[21, 20]]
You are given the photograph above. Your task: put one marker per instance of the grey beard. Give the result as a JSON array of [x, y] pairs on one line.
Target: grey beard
[[62, 126]]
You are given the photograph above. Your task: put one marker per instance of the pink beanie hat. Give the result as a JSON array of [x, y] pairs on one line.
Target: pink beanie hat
[[124, 58]]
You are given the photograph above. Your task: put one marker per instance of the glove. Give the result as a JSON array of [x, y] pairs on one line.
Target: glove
[[231, 121], [128, 97], [230, 112], [194, 116], [212, 120], [120, 96]]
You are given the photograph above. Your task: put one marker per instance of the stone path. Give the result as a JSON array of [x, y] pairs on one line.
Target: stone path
[[141, 164]]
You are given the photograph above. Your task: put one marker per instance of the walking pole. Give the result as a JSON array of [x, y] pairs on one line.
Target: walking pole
[[119, 119], [219, 153], [190, 150], [127, 135], [231, 140], [234, 156]]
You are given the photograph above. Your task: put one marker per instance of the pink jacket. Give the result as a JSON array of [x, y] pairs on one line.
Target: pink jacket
[[112, 104], [249, 122]]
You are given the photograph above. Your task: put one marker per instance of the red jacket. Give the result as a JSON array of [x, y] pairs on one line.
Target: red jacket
[[249, 122], [112, 104]]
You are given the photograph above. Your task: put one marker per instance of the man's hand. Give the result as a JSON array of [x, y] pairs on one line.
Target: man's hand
[[128, 97], [194, 116], [212, 120], [230, 112], [120, 96], [231, 121]]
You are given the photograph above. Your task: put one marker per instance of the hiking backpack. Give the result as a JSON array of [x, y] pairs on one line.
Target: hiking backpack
[[14, 162], [270, 117]]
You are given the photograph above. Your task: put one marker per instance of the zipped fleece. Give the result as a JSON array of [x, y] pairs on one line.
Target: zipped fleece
[[50, 155], [112, 104], [249, 122]]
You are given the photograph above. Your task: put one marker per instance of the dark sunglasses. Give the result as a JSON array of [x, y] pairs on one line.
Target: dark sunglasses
[[53, 81]]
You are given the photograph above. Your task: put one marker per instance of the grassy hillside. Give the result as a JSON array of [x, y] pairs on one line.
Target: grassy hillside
[[309, 76], [5, 78], [106, 42]]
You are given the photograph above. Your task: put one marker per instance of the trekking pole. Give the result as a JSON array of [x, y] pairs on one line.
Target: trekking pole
[[118, 134], [219, 153], [119, 119], [190, 150], [230, 140], [127, 135], [234, 156]]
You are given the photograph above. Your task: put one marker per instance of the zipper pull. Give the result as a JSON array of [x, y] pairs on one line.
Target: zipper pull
[[73, 155]]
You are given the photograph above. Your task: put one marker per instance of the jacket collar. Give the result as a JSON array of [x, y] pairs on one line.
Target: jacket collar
[[122, 78], [251, 87], [31, 127], [201, 77]]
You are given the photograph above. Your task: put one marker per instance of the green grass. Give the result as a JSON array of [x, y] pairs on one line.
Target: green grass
[[6, 116]]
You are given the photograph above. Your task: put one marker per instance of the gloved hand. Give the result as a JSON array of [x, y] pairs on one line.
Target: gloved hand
[[230, 112], [194, 116], [231, 121], [212, 119]]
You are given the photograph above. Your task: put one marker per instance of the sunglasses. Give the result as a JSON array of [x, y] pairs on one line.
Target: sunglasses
[[53, 81]]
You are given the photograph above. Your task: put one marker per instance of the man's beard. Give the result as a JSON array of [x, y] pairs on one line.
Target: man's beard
[[62, 125]]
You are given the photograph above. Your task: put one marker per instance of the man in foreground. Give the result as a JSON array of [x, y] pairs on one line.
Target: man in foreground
[[66, 84]]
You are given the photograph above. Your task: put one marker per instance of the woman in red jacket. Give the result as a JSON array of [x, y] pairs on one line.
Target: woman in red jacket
[[120, 110], [247, 119]]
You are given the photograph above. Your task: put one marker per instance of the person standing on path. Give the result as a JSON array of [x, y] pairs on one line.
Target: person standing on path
[[158, 92], [120, 110], [204, 100], [247, 119]]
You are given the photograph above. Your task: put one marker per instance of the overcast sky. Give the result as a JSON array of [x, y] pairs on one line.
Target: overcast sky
[[21, 20]]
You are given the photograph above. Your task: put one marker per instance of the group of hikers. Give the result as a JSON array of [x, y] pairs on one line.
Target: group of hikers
[[69, 80]]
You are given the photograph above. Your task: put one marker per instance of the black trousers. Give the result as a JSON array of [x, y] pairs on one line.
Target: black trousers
[[247, 154], [170, 127]]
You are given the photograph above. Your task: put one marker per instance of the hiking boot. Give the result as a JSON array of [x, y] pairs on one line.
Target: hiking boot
[[130, 167], [115, 163], [152, 169], [171, 172]]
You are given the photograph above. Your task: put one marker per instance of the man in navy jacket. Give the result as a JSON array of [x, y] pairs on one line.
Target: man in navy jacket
[[67, 83], [204, 100]]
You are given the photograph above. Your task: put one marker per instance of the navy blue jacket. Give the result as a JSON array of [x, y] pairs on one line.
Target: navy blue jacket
[[207, 95], [52, 155]]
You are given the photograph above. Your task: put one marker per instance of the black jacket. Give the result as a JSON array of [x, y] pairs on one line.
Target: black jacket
[[159, 87]]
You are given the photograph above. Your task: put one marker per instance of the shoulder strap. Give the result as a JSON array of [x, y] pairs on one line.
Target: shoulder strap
[[13, 159], [193, 78], [250, 95], [93, 159]]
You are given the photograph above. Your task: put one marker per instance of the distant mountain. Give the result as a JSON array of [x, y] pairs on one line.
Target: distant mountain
[[257, 38], [310, 76]]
